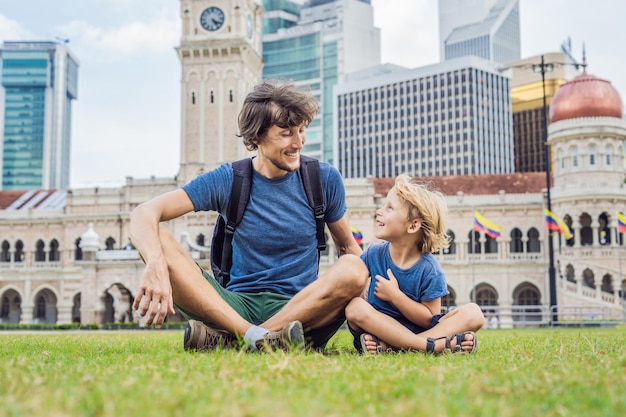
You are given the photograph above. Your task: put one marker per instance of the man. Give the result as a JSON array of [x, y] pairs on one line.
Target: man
[[274, 295]]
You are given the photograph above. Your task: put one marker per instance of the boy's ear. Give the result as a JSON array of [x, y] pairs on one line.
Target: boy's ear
[[415, 226]]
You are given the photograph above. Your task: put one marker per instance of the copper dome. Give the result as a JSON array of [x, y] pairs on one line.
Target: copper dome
[[586, 96]]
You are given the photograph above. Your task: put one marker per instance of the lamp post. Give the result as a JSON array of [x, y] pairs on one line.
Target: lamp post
[[542, 68]]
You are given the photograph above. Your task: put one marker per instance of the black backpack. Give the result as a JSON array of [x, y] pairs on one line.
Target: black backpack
[[221, 243]]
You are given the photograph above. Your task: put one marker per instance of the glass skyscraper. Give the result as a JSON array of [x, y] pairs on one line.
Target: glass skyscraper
[[39, 82], [316, 44], [489, 29]]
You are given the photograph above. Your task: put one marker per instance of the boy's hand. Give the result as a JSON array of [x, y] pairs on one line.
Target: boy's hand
[[386, 288]]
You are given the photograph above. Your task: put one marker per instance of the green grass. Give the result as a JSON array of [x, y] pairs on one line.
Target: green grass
[[542, 372]]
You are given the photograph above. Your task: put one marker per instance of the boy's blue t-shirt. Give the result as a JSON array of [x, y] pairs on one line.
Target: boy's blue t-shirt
[[424, 281], [275, 245]]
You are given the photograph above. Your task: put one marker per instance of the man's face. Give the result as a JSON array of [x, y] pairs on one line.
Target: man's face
[[279, 150]]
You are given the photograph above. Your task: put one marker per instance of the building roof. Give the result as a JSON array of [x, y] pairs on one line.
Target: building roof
[[515, 183], [586, 96], [32, 199]]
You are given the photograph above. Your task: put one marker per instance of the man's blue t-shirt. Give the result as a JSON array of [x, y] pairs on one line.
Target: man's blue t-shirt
[[275, 245], [424, 281]]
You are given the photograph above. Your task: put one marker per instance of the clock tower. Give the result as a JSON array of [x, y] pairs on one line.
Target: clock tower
[[220, 55]]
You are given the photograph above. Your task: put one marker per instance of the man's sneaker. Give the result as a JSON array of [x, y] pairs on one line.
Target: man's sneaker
[[290, 337], [199, 336]]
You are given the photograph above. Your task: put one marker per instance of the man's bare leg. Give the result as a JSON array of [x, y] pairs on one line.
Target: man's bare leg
[[324, 300], [192, 291]]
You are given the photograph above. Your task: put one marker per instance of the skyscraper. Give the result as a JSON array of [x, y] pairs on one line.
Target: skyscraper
[[451, 118], [39, 81], [332, 38], [489, 29]]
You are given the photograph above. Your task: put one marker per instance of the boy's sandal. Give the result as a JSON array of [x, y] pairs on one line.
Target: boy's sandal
[[379, 348], [460, 337]]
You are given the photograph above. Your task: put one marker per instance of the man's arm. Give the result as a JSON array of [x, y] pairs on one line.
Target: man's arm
[[155, 292], [342, 235]]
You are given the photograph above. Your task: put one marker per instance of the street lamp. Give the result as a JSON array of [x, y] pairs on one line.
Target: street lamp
[[542, 68]]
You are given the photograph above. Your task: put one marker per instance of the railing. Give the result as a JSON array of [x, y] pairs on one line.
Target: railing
[[583, 316]]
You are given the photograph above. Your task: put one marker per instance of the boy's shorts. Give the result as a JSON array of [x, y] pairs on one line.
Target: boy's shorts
[[259, 307]]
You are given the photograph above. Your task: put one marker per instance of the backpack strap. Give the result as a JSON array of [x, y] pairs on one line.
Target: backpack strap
[[239, 196], [312, 181]]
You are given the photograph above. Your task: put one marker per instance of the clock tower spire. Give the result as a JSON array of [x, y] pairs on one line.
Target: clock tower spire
[[220, 55]]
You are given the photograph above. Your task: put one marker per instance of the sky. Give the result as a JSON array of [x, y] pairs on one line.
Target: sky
[[126, 120]]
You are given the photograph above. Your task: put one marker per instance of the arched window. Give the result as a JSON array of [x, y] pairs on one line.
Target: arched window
[[491, 246], [592, 155], [212, 97], [54, 255], [5, 255], [473, 245], [18, 256], [527, 295], [604, 232], [40, 253], [110, 243], [516, 245], [569, 273], [608, 151], [533, 245], [200, 240], [560, 159], [78, 252], [586, 236], [567, 219], [486, 295], [588, 278], [607, 284]]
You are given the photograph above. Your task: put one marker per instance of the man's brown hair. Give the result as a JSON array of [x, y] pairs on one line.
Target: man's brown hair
[[274, 102]]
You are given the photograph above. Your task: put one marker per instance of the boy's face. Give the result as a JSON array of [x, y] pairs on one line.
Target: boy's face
[[392, 219], [279, 150]]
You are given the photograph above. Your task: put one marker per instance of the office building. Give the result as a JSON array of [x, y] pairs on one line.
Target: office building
[[331, 39], [489, 29], [527, 105], [451, 118], [39, 82]]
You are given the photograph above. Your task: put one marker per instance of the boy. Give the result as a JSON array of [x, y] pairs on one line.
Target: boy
[[401, 308]]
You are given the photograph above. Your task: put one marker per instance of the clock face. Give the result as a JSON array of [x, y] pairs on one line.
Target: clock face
[[212, 18]]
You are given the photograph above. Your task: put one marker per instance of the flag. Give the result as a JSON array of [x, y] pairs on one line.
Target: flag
[[358, 236], [481, 224], [557, 225], [621, 222]]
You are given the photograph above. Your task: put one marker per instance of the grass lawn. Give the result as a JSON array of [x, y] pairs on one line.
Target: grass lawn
[[540, 372]]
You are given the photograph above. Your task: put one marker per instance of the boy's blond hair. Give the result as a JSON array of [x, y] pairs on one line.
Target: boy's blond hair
[[427, 206]]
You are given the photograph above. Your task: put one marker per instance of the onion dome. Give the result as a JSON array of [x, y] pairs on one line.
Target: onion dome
[[90, 241], [586, 96]]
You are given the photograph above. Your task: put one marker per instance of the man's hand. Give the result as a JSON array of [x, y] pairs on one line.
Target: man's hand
[[386, 288], [154, 299]]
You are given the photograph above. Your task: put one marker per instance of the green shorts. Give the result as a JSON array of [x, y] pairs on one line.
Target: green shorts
[[259, 307]]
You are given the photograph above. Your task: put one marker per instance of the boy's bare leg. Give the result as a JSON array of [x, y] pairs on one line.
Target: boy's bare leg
[[363, 317]]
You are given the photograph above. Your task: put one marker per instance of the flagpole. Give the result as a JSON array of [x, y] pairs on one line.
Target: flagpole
[[472, 257]]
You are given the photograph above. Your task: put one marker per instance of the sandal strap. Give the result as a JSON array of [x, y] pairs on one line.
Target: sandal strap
[[430, 343]]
